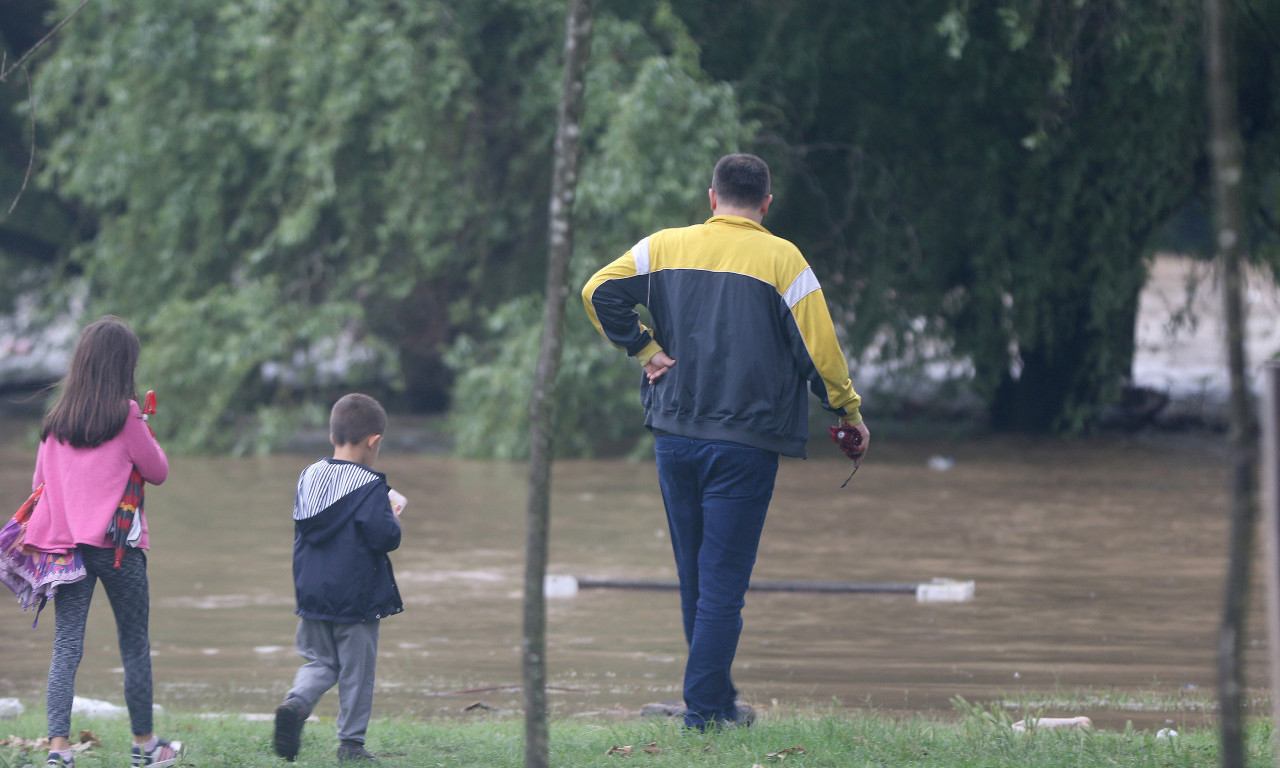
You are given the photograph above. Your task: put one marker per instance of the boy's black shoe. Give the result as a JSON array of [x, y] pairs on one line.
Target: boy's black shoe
[[288, 735], [353, 752]]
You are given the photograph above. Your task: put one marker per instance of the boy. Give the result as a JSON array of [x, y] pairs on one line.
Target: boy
[[344, 526]]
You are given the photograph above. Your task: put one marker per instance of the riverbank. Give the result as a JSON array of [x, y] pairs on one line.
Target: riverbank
[[976, 739], [1178, 379]]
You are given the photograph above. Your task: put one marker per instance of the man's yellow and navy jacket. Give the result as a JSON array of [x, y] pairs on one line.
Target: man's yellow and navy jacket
[[743, 316]]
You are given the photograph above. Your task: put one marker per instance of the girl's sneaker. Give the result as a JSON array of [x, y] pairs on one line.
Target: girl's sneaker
[[58, 760], [162, 754]]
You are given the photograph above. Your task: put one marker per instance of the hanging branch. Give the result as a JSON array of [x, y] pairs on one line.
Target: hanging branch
[[21, 63], [31, 159], [4, 73]]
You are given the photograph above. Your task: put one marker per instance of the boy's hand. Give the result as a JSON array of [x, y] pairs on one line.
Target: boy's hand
[[397, 501]]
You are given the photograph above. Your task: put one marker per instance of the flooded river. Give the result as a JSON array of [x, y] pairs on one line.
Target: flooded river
[[1098, 567]]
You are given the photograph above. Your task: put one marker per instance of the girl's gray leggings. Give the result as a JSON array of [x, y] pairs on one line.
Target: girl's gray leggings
[[130, 601]]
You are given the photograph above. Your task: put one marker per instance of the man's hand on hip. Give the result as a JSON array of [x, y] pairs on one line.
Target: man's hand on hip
[[658, 366]]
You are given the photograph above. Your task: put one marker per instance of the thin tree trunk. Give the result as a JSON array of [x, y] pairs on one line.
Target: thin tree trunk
[[1229, 229], [541, 404]]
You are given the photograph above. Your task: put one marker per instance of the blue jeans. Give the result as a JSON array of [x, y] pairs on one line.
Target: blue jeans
[[716, 494]]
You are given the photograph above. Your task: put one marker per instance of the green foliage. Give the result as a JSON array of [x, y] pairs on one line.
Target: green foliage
[[995, 169], [274, 177], [654, 126], [255, 185], [490, 415], [225, 341]]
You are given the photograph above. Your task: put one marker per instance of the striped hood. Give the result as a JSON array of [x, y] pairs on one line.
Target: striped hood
[[325, 482]]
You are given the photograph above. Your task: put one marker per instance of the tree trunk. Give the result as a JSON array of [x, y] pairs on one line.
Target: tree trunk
[[541, 404], [1229, 232]]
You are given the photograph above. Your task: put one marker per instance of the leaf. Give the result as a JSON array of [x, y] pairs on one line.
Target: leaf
[[783, 754], [623, 751]]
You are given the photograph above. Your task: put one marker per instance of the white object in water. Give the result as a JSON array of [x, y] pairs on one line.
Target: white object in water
[[559, 585], [941, 463], [10, 708], [945, 591], [1053, 722]]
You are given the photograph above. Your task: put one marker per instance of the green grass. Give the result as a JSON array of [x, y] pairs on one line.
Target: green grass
[[976, 737]]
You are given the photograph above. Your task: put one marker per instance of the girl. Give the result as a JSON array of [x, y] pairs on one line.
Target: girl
[[89, 443]]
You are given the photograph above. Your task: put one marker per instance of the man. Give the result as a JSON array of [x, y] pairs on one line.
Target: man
[[740, 328]]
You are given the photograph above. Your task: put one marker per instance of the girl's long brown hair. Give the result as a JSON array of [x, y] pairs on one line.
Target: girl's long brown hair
[[93, 400]]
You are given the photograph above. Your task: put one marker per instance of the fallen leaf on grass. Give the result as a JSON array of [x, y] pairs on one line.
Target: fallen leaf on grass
[[653, 748], [783, 754], [616, 750], [17, 742]]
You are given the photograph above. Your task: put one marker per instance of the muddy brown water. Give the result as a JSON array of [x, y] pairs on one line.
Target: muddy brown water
[[1098, 566]]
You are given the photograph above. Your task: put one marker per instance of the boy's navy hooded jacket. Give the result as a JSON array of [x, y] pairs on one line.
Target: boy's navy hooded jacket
[[343, 530]]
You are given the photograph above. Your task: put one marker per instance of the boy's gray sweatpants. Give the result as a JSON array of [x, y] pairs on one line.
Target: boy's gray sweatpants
[[342, 654]]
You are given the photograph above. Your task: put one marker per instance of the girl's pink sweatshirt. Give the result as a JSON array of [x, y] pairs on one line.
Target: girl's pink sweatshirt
[[83, 486]]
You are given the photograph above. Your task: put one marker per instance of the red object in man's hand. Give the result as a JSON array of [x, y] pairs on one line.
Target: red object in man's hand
[[849, 440]]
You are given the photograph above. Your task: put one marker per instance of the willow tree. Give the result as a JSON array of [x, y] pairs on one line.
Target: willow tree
[[287, 197], [990, 175]]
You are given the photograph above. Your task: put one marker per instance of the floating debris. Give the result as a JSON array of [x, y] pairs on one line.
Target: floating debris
[[1053, 722]]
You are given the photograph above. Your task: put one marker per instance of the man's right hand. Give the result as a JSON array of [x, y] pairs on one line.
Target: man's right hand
[[855, 449], [658, 366]]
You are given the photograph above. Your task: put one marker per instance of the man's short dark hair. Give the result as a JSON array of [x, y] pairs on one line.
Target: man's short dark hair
[[741, 180], [354, 418]]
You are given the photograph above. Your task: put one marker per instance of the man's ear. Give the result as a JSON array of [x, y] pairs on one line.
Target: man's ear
[[373, 441]]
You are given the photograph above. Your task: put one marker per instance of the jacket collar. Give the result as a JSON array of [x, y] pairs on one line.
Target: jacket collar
[[736, 221]]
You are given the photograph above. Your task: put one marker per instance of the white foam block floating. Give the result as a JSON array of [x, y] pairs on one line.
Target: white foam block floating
[[935, 591], [1053, 722], [945, 591]]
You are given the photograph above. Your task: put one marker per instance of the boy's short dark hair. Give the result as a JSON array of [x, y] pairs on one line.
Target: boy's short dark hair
[[355, 417], [741, 180]]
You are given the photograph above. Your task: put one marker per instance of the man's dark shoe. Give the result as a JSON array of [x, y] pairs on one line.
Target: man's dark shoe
[[664, 709], [744, 715], [288, 734]]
